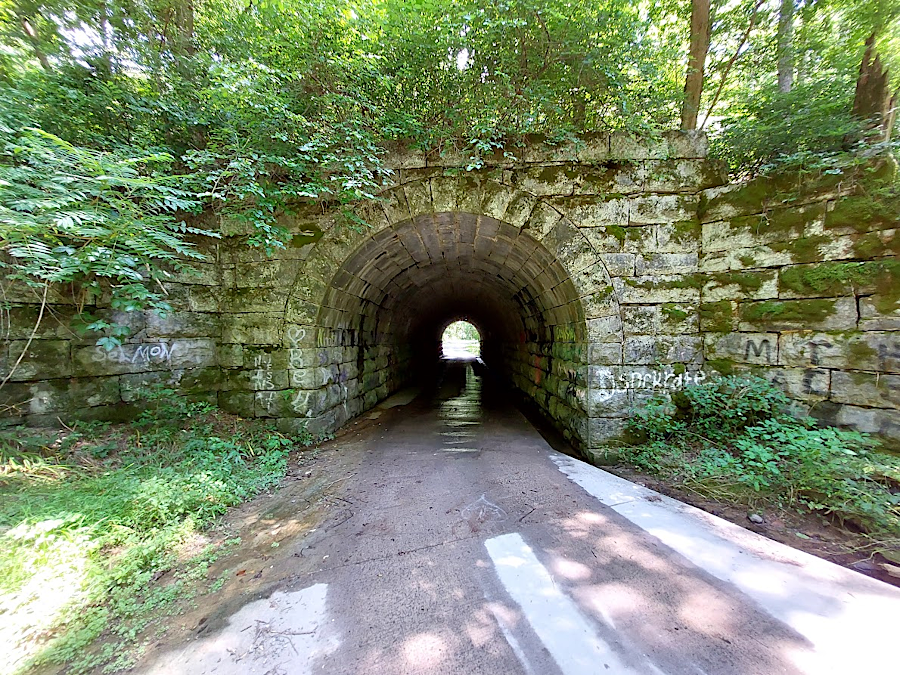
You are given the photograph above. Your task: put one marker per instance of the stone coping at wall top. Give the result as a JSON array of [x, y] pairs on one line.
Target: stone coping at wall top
[[586, 147]]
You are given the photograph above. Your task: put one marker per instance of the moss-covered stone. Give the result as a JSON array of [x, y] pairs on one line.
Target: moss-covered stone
[[847, 278], [721, 366], [801, 311], [747, 281], [685, 231], [617, 231], [802, 249], [864, 213], [673, 312], [877, 244], [716, 317]]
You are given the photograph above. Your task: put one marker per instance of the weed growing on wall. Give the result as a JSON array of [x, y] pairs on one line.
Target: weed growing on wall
[[92, 517], [735, 438]]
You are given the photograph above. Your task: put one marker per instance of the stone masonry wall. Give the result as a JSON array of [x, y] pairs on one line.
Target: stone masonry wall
[[600, 273]]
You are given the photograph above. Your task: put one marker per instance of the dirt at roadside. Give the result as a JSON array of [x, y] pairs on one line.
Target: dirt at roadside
[[274, 530], [808, 532]]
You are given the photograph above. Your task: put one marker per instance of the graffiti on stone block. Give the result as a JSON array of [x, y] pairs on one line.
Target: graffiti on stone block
[[295, 335], [885, 352], [764, 347], [300, 403], [266, 399], [261, 378], [666, 380], [142, 354], [815, 357], [808, 384]]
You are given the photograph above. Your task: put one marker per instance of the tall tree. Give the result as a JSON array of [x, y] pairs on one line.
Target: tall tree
[[786, 46], [693, 83]]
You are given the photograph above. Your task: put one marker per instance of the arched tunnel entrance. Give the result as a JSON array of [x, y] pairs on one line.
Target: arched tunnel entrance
[[394, 295]]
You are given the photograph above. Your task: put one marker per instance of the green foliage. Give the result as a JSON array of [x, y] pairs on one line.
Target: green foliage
[[736, 432], [109, 510], [93, 221]]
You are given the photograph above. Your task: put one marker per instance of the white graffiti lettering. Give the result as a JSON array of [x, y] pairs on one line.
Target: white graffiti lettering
[[155, 352], [610, 385]]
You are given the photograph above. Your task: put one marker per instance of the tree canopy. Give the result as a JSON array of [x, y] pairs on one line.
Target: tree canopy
[[243, 107]]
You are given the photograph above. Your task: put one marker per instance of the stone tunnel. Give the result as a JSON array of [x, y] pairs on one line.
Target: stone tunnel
[[600, 273]]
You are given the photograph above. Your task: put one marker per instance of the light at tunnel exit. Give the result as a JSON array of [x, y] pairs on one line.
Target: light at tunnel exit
[[461, 340]]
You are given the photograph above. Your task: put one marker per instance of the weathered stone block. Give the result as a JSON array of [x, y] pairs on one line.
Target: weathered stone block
[[878, 313], [666, 263], [39, 359], [619, 264], [237, 402], [685, 175], [870, 420], [679, 349], [679, 237], [806, 384], [589, 212], [753, 348], [662, 209], [605, 329], [609, 353], [55, 396], [253, 329], [602, 431], [657, 289], [592, 148], [818, 314], [876, 351], [740, 285], [875, 390], [547, 181]]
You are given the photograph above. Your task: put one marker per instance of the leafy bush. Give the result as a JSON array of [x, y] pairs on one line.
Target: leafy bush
[[111, 521], [731, 404], [92, 221], [736, 432]]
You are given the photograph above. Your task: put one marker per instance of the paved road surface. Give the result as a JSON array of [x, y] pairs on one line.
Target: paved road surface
[[469, 546]]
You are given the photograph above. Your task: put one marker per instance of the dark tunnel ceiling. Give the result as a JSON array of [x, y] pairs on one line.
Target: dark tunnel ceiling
[[424, 272]]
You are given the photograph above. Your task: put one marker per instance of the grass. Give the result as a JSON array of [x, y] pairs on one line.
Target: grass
[[733, 440], [99, 525]]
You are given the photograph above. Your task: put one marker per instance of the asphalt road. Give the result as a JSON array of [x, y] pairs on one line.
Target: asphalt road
[[465, 544]]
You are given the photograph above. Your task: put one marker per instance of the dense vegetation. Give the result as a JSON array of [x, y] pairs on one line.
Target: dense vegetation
[[118, 113], [735, 440], [93, 515]]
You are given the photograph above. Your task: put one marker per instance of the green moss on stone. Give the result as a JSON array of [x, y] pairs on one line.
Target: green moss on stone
[[802, 249], [679, 368], [673, 312], [864, 213], [685, 231], [747, 260], [806, 311], [861, 352], [617, 231], [877, 244], [716, 317], [721, 366], [847, 278], [747, 281]]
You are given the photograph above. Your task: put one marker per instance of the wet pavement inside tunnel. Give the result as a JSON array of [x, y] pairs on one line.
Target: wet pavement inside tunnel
[[465, 544]]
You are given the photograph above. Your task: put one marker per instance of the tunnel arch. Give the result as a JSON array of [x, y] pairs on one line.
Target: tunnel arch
[[372, 301]]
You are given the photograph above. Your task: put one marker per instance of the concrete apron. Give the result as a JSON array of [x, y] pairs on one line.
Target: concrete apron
[[470, 546]]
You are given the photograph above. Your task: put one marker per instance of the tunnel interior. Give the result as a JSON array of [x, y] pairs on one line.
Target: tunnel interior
[[392, 298]]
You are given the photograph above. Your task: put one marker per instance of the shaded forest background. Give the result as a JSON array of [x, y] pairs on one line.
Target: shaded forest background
[[119, 117]]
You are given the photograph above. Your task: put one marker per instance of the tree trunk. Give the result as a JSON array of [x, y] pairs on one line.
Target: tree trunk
[[874, 102], [693, 83], [32, 38], [184, 26], [786, 46]]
